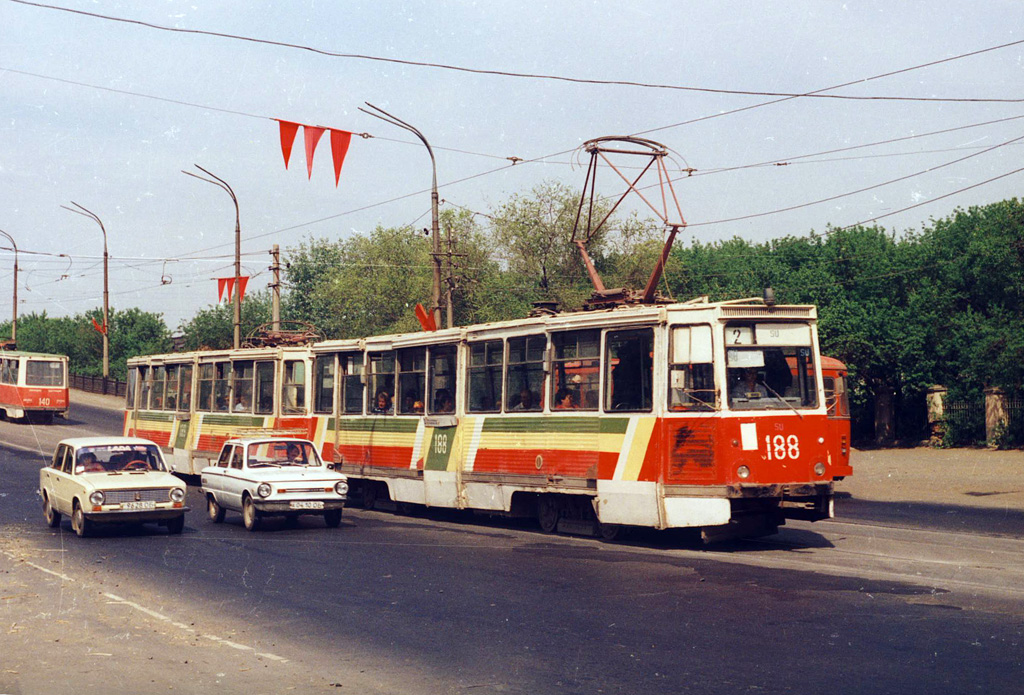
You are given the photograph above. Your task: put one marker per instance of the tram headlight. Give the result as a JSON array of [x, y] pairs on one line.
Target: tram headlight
[[743, 472], [177, 494], [264, 490], [96, 498], [341, 487], [819, 468]]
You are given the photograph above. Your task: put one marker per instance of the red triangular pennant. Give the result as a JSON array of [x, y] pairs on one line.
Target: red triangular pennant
[[99, 329], [312, 135], [242, 282], [229, 284], [340, 140], [221, 286], [288, 131]]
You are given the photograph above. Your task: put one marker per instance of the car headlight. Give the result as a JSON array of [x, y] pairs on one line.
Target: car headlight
[[177, 494], [341, 487], [96, 498], [264, 490]]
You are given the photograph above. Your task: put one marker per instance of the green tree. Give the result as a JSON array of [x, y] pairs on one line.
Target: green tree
[[212, 328]]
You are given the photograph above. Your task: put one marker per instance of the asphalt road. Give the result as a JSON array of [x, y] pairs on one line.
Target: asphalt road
[[451, 603]]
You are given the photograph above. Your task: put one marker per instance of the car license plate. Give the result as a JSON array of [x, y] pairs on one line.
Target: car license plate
[[306, 505], [133, 506]]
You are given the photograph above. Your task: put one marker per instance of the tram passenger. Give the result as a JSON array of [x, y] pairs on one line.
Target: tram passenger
[[382, 402], [444, 402], [242, 404], [526, 400], [566, 400]]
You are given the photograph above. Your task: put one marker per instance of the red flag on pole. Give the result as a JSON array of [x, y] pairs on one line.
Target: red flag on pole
[[340, 140], [288, 131], [99, 329], [312, 136], [242, 282], [221, 286], [425, 318]]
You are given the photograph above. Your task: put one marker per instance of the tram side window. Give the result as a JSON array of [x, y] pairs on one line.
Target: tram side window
[[442, 379], [129, 393], [156, 394], [206, 380], [351, 366], [241, 386], [485, 366], [412, 371], [575, 370], [5, 372], [629, 361], [171, 397], [691, 384], [146, 378], [11, 371], [323, 383], [264, 388], [222, 387], [524, 380], [382, 383], [185, 399], [294, 388]]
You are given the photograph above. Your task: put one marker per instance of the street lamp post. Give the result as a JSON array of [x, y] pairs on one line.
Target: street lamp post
[[14, 317], [106, 288], [435, 234], [216, 181]]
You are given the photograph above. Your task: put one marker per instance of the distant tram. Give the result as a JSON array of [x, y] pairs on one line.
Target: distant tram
[[714, 416], [33, 385]]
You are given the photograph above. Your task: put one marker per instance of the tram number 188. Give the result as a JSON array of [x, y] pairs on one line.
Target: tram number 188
[[780, 447]]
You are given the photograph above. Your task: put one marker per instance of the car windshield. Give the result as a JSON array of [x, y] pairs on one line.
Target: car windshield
[[116, 458], [282, 453]]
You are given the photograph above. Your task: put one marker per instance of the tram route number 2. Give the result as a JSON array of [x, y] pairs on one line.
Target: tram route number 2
[[780, 447]]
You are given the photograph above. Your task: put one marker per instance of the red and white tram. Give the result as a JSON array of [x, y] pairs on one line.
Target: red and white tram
[[33, 385], [702, 415]]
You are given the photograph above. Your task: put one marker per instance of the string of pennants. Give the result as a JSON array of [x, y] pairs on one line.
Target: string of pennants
[[340, 140], [226, 288]]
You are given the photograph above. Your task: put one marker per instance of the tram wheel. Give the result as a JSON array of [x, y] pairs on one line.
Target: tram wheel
[[611, 532], [548, 512]]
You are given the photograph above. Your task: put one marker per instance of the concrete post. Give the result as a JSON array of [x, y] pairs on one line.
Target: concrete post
[[997, 418], [936, 402]]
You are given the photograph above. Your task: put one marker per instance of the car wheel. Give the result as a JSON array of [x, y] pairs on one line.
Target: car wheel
[[214, 510], [52, 515], [251, 516], [176, 525], [81, 525], [332, 517]]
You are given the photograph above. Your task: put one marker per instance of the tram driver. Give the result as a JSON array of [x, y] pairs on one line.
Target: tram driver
[[749, 385]]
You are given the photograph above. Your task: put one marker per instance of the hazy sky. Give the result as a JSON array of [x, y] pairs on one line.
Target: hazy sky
[[67, 137]]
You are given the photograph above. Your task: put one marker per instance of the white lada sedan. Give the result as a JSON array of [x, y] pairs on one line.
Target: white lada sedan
[[273, 476], [111, 480]]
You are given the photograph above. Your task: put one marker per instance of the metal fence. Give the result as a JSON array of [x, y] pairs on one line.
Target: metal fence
[[97, 384], [965, 422]]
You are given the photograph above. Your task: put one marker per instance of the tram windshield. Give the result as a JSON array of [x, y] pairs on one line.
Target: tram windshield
[[766, 373], [44, 373]]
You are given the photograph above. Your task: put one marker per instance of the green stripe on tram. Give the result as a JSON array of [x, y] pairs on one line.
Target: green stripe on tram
[[181, 439], [557, 425], [375, 424], [152, 416], [233, 420]]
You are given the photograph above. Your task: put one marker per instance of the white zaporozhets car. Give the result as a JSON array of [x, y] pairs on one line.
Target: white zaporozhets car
[[111, 480], [273, 476]]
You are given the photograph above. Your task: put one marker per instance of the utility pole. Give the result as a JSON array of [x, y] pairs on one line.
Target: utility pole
[[275, 287], [106, 288], [435, 233], [14, 317], [216, 181]]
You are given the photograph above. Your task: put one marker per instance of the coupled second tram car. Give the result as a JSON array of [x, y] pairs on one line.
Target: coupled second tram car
[[700, 415]]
